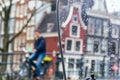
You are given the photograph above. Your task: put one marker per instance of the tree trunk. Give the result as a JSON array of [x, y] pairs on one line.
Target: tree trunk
[[5, 41]]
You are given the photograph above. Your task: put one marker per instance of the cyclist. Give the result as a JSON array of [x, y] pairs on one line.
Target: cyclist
[[39, 52]]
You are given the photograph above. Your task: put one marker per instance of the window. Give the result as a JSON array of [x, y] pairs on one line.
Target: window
[[92, 65], [10, 48], [31, 33], [90, 45], [24, 22], [50, 27], [113, 47], [27, 33], [16, 44], [21, 11], [25, 10], [78, 63], [71, 63], [75, 31], [104, 47], [98, 26], [75, 18], [78, 46], [73, 45], [18, 11], [17, 27], [115, 31], [69, 44], [96, 46], [91, 25], [11, 26], [105, 28], [19, 41], [32, 20], [29, 14], [1, 41], [21, 24]]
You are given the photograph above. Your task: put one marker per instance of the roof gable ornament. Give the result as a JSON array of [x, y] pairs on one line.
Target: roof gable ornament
[[74, 7]]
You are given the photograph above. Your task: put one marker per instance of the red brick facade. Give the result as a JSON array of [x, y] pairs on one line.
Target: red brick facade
[[66, 27]]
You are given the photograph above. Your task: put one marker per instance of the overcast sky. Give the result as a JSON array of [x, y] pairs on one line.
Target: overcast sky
[[113, 5]]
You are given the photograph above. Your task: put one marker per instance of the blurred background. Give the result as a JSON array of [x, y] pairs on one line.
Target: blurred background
[[90, 36]]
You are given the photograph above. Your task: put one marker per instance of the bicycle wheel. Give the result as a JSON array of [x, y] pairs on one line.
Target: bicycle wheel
[[25, 72]]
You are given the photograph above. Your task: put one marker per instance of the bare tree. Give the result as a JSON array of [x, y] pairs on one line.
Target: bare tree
[[5, 16]]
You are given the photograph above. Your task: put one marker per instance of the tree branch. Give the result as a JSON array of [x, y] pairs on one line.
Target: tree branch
[[1, 12], [21, 29], [34, 12], [2, 16]]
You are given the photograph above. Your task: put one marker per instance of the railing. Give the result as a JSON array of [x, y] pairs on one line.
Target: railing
[[14, 62], [12, 65]]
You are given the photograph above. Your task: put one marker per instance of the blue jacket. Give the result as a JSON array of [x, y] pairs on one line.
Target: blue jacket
[[40, 45]]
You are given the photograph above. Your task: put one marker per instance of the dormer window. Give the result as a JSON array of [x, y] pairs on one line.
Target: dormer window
[[50, 27], [74, 30]]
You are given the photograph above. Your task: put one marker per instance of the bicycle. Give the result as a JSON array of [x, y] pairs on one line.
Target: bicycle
[[28, 71]]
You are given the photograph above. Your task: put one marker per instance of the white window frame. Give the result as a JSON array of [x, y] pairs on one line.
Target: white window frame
[[81, 44], [72, 47], [29, 15], [28, 33], [115, 36], [31, 34], [90, 52], [71, 63], [18, 11], [99, 47], [32, 20], [11, 26], [90, 21], [116, 47], [105, 28], [105, 45], [78, 30], [21, 24], [21, 11], [25, 9], [17, 26], [99, 33]]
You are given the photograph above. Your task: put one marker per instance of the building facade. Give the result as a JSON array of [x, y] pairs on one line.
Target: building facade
[[74, 41], [23, 11], [102, 40]]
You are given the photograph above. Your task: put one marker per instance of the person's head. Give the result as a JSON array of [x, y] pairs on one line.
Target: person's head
[[37, 34]]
